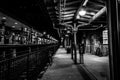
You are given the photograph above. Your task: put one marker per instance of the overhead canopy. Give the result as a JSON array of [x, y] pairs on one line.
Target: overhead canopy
[[44, 15], [66, 12]]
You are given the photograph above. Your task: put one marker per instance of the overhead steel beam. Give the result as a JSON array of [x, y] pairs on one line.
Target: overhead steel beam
[[68, 12], [96, 4], [99, 1], [98, 14], [81, 22], [81, 25], [73, 2], [66, 18], [91, 9], [85, 17], [85, 3], [69, 8], [68, 22], [68, 15]]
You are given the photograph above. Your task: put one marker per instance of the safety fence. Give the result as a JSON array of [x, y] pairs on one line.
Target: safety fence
[[25, 62]]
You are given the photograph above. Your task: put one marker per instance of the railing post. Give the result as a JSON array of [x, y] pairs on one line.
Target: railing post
[[8, 67], [14, 53], [37, 55], [28, 55]]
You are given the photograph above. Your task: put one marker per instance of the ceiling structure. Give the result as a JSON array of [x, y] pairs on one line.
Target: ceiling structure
[[66, 13], [43, 15]]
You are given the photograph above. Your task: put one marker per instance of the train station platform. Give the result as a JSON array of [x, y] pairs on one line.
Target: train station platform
[[63, 67], [98, 66]]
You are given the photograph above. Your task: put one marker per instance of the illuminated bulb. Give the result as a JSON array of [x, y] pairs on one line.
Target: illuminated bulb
[[3, 17], [78, 17], [16, 23], [44, 32], [13, 26], [82, 12]]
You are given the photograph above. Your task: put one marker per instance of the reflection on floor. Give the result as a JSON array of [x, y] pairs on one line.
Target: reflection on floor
[[63, 67], [99, 66]]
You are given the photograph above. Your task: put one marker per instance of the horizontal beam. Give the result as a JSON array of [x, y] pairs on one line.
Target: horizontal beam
[[68, 22], [68, 12], [69, 15], [67, 18], [85, 17], [91, 9], [97, 4], [73, 2], [69, 8], [98, 14]]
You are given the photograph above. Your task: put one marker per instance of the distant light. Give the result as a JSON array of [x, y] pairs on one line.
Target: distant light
[[13, 26], [68, 31], [44, 32], [25, 29], [78, 17], [3, 17], [66, 35], [16, 23], [82, 12], [65, 29]]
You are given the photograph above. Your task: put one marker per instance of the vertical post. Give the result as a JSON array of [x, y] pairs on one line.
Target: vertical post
[[28, 55], [37, 55], [71, 47], [114, 39], [3, 29], [14, 53], [75, 43]]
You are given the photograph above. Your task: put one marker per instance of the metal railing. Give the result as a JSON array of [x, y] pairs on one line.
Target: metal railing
[[20, 62]]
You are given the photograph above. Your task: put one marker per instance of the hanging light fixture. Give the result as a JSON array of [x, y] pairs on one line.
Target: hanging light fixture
[[82, 12]]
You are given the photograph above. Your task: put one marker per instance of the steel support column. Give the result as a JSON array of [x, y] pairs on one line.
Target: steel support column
[[114, 39], [75, 43]]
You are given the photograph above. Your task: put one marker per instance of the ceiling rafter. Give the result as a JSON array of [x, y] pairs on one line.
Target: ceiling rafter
[[98, 14], [67, 18], [68, 22], [68, 12], [85, 17], [96, 4], [67, 15], [69, 8], [92, 9], [73, 2], [98, 1], [83, 20]]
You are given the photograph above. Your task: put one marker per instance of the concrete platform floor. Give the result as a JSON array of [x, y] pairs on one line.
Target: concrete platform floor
[[62, 68], [98, 66]]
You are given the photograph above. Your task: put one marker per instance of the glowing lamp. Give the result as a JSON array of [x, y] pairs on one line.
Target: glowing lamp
[[82, 12]]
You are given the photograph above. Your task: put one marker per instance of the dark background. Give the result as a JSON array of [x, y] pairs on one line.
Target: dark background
[[30, 12]]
